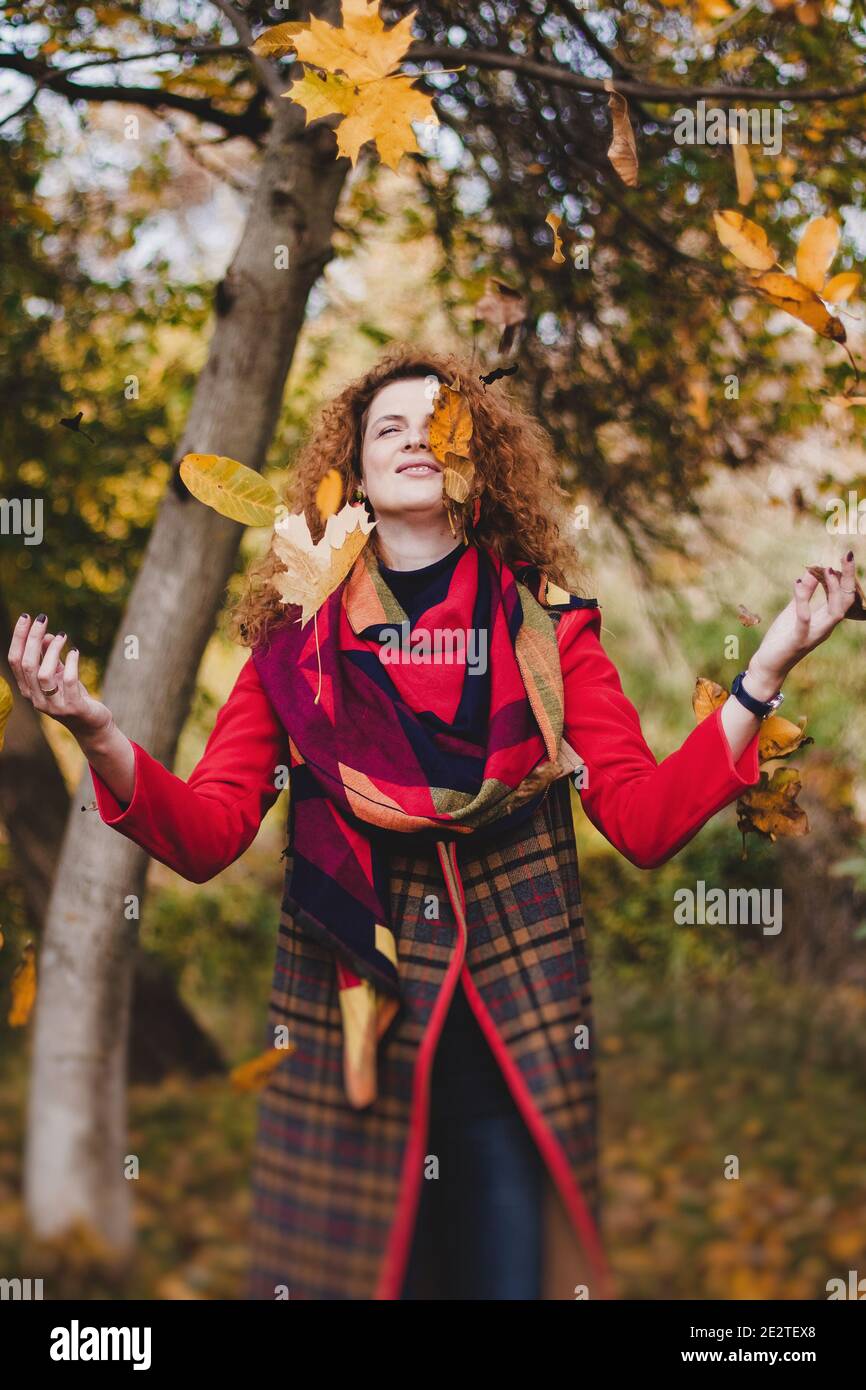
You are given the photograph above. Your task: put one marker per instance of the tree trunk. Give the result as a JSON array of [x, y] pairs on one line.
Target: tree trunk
[[76, 1140], [34, 805]]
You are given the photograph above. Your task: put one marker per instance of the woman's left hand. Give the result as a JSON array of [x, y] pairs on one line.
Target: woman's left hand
[[799, 628]]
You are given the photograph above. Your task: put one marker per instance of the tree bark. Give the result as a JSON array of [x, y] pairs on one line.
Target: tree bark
[[76, 1139], [34, 806]]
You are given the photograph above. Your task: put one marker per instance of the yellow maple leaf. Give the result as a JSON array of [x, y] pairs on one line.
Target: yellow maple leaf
[[351, 73], [313, 570], [363, 48]]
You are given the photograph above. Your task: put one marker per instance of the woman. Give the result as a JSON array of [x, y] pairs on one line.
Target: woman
[[431, 1131]]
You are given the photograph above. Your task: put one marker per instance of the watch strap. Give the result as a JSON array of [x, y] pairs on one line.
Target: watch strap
[[761, 708]]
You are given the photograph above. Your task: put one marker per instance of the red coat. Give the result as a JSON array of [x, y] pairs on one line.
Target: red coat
[[647, 809], [313, 1150]]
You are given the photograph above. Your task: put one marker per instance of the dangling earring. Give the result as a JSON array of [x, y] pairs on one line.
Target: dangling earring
[[360, 494]]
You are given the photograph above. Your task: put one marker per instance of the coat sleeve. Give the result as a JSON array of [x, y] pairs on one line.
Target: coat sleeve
[[199, 826], [647, 809]]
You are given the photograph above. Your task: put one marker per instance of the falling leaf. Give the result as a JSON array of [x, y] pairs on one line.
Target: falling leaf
[[6, 703], [278, 41], [744, 239], [778, 737], [254, 1074], [504, 308], [329, 494], [450, 428], [746, 618], [230, 488], [841, 287], [458, 476], [818, 245], [743, 170], [356, 80], [771, 807], [553, 221], [800, 302], [23, 988], [706, 697], [622, 151], [313, 571], [857, 610]]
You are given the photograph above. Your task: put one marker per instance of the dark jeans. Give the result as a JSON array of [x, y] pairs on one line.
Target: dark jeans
[[479, 1228]]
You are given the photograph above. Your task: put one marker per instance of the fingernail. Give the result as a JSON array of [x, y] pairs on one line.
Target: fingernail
[[850, 555], [61, 634], [40, 617], [23, 616]]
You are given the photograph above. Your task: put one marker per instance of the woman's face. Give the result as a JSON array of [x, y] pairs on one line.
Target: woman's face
[[399, 471]]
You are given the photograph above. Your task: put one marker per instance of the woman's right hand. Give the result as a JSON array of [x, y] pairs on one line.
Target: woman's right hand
[[34, 656]]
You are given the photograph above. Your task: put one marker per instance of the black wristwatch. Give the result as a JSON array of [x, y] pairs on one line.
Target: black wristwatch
[[759, 707]]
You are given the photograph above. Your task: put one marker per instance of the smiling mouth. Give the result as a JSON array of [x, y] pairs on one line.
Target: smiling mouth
[[421, 469]]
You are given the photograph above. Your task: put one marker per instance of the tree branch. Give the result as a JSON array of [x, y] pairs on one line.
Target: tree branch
[[267, 73], [648, 91], [247, 123]]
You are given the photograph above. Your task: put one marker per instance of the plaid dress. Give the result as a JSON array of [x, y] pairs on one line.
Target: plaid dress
[[335, 1189]]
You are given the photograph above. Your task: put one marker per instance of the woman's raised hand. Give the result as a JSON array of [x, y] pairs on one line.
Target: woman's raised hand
[[800, 628], [52, 685]]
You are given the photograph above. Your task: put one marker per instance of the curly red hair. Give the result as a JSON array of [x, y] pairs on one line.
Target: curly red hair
[[523, 506]]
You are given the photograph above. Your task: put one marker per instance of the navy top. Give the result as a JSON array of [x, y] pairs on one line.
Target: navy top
[[466, 1078]]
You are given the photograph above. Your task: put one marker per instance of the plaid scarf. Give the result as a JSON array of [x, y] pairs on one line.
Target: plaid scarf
[[378, 754]]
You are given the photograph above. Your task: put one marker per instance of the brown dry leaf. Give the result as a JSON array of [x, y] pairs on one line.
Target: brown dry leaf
[[818, 245], [778, 737], [6, 703], [857, 611], [504, 308], [553, 221], [744, 239], [746, 618], [458, 477], [329, 494], [450, 424], [841, 287], [253, 1075], [23, 988], [800, 302], [706, 697], [622, 151], [743, 170], [771, 807], [351, 73], [313, 571]]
